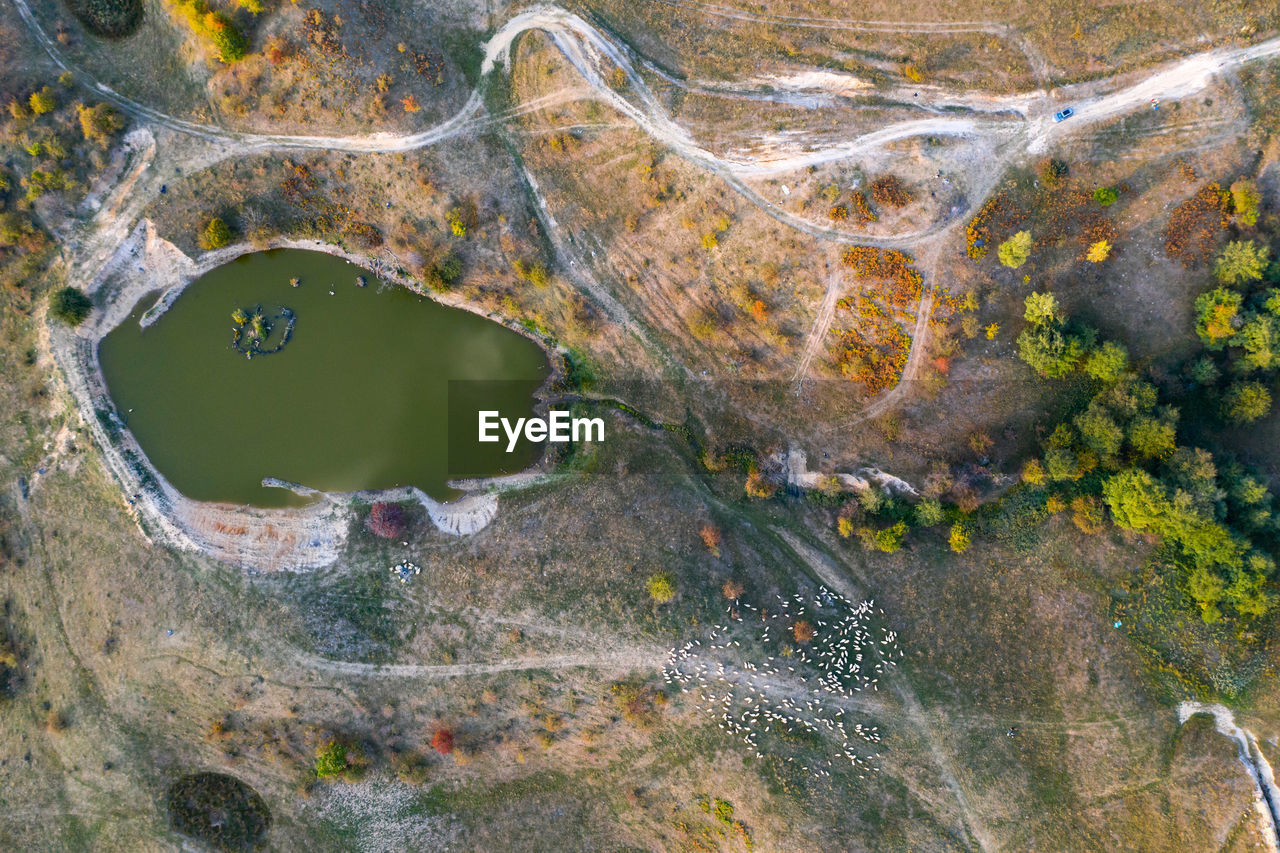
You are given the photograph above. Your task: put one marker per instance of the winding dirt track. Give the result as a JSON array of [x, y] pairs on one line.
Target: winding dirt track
[[593, 53]]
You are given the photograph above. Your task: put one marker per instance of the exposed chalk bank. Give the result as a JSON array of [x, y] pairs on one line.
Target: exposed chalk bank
[[1267, 797], [795, 464]]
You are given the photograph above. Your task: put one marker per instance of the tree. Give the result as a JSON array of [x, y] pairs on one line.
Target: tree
[[1206, 588], [1098, 252], [442, 741], [99, 123], [227, 39], [1041, 308], [889, 539], [929, 512], [1260, 338], [661, 587], [1152, 438], [1241, 261], [70, 305], [803, 632], [253, 7], [1033, 473], [1014, 252], [386, 520], [1099, 431], [1137, 500], [1107, 362], [1046, 344], [759, 487], [1204, 371], [732, 590], [1217, 316], [1245, 200], [215, 235], [42, 101], [1245, 402], [1049, 350], [1106, 196], [960, 538], [331, 760]]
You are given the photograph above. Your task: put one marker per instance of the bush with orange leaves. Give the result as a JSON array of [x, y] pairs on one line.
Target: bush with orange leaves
[[977, 234], [803, 632], [874, 350], [1194, 228], [888, 191], [711, 538], [889, 265], [757, 486], [862, 212]]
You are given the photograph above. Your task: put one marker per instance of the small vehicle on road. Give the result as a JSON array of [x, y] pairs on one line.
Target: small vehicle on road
[[1063, 115]]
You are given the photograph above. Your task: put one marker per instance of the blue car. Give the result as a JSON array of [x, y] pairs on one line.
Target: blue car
[[1063, 115]]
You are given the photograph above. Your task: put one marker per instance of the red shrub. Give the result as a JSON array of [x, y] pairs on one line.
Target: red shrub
[[386, 520], [442, 741]]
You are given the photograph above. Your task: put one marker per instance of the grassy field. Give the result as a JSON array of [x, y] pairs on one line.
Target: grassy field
[[1034, 704]]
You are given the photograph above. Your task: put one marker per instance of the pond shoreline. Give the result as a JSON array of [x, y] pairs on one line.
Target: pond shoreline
[[253, 538]]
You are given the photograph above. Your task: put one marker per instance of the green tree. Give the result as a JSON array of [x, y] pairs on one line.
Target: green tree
[[1245, 402], [1046, 344], [331, 760], [1137, 500], [1241, 261], [661, 587], [1260, 339], [70, 305], [1099, 432], [1014, 252], [215, 235], [1217, 316], [889, 539], [1247, 591], [1060, 460], [929, 512], [1108, 362], [1106, 196], [1041, 308], [1206, 588], [1204, 371], [226, 37], [1152, 438], [1049, 350]]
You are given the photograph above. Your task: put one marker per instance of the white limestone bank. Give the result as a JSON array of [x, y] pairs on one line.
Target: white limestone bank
[[1267, 798]]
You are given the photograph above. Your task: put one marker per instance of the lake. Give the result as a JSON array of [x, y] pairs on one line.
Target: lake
[[338, 392]]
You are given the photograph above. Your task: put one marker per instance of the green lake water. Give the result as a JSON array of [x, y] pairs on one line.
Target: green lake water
[[357, 399]]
